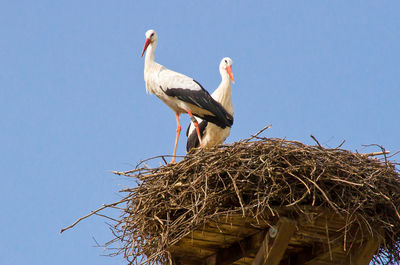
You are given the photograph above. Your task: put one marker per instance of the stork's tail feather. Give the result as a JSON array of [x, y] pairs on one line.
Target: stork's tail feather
[[222, 118]]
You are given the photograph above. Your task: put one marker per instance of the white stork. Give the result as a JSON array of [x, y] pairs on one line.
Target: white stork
[[213, 134], [181, 93]]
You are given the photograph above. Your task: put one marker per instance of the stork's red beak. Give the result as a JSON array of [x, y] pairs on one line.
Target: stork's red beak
[[145, 46], [229, 70]]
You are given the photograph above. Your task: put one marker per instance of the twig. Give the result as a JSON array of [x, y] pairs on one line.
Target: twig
[[107, 217], [312, 136], [377, 153], [154, 157], [329, 241], [394, 154], [237, 194], [340, 145], [383, 151], [255, 135], [93, 212]]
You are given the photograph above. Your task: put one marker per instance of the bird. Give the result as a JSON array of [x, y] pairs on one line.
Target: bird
[[181, 93], [212, 134]]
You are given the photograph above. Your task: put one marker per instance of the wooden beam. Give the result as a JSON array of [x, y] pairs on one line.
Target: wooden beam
[[274, 246], [363, 254], [188, 253], [324, 255], [237, 250]]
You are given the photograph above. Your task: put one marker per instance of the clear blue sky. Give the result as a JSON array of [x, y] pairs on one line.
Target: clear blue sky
[[73, 102]]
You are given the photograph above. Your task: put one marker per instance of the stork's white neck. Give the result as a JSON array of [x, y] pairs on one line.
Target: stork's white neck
[[151, 69], [150, 53], [223, 94], [226, 80]]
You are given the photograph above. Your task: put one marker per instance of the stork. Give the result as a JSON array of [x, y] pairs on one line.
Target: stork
[[181, 93], [213, 134]]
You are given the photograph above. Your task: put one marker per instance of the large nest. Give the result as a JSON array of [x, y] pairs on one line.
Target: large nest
[[251, 178]]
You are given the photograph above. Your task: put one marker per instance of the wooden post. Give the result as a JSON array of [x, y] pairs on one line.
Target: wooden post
[[363, 254], [275, 243]]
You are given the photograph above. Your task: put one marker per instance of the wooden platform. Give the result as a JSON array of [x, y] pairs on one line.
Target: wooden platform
[[315, 238]]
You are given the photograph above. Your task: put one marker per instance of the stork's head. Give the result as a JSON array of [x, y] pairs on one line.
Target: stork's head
[[151, 37], [226, 65]]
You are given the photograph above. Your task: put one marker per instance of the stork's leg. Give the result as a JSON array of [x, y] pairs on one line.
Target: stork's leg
[[196, 125], [178, 131]]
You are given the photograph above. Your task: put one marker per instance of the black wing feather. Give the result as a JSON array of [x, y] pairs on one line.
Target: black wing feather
[[202, 99]]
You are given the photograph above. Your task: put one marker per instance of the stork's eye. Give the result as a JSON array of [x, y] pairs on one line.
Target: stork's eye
[[226, 61], [152, 34]]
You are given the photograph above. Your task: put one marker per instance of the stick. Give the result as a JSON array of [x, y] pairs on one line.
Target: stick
[[377, 153], [254, 136], [154, 157], [92, 213], [382, 149], [340, 145], [312, 136]]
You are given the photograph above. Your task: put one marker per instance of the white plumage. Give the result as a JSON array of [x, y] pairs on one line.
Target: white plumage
[[181, 93], [212, 134]]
